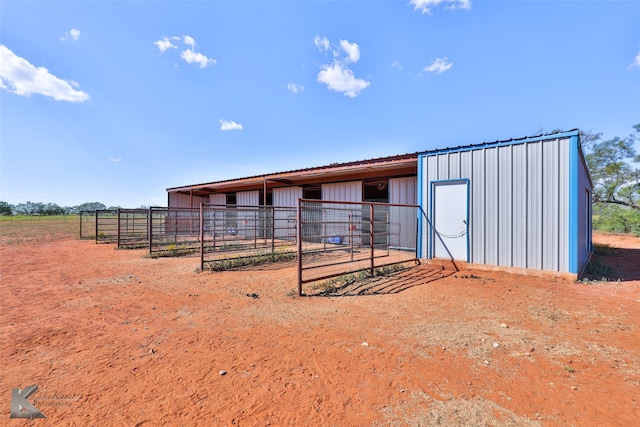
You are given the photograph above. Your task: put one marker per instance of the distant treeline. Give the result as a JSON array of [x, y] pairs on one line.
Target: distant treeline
[[46, 209]]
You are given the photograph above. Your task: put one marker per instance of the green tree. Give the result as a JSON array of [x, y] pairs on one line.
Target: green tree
[[90, 206], [6, 209], [614, 169]]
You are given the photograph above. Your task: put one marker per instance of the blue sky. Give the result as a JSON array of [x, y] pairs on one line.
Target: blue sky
[[116, 101]]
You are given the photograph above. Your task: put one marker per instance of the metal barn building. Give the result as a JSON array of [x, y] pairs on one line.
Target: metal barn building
[[516, 204], [523, 203]]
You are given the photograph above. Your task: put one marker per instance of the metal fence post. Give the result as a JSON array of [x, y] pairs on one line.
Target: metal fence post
[[299, 244], [150, 229], [273, 230], [118, 228], [371, 236], [201, 237]]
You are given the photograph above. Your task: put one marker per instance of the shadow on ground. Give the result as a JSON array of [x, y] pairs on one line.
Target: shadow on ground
[[392, 283], [612, 264]]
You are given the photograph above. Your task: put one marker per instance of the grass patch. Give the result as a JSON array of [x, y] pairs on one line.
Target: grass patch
[[173, 250], [258, 259], [21, 229]]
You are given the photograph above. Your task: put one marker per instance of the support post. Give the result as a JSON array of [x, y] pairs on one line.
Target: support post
[[371, 236], [150, 229], [299, 245], [118, 228], [201, 237]]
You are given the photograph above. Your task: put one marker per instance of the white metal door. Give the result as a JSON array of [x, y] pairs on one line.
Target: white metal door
[[450, 220]]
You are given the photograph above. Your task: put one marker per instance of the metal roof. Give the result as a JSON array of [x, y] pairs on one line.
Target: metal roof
[[404, 164], [398, 165]]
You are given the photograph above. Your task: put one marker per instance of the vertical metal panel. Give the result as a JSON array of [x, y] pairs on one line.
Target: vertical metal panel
[[466, 171], [454, 166], [583, 209], [287, 196], [443, 166], [505, 206], [550, 179], [178, 200], [403, 191], [478, 208], [248, 198], [343, 191], [534, 206], [519, 200], [563, 205], [218, 199], [492, 243], [423, 200]]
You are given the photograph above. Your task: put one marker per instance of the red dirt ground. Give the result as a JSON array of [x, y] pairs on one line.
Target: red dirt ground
[[116, 338]]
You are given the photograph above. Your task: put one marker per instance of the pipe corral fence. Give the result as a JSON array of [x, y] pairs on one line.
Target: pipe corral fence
[[236, 236], [342, 238], [106, 226], [328, 240], [174, 231], [87, 225], [133, 228]]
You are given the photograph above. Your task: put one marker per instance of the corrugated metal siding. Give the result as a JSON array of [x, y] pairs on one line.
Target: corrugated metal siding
[[343, 191], [218, 199], [534, 207], [519, 201], [584, 237], [287, 196], [248, 198], [477, 209], [505, 205], [178, 200], [519, 214], [403, 221]]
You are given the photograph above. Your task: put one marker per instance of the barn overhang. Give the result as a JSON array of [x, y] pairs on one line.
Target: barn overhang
[[366, 170]]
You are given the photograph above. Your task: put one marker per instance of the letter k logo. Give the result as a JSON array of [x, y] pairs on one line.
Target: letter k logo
[[21, 407]]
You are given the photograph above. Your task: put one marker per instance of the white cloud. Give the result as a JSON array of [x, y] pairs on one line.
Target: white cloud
[[194, 57], [295, 88], [439, 66], [229, 125], [19, 76], [337, 75], [190, 41], [321, 43], [114, 160], [188, 54], [636, 62], [340, 78], [426, 6], [73, 35], [165, 44], [351, 49], [396, 64]]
